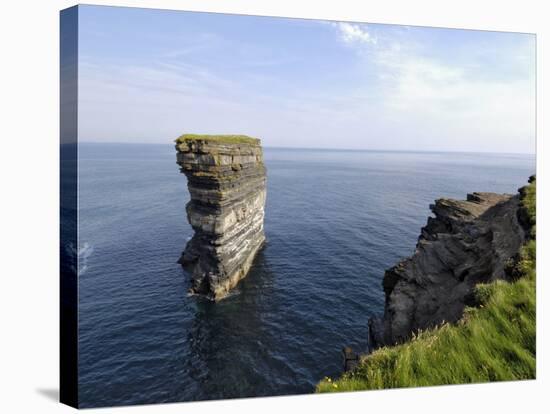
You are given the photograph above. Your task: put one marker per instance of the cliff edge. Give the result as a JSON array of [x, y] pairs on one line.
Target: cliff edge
[[467, 242], [468, 268], [227, 184]]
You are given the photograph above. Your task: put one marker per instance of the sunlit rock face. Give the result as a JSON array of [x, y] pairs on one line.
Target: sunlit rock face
[[226, 178]]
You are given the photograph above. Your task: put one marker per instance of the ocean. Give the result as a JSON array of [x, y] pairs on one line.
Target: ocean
[[335, 220]]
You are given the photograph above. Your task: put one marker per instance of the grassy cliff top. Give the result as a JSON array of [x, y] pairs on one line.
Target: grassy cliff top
[[222, 139], [493, 342]]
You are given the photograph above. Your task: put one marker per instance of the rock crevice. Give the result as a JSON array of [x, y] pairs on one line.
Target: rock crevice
[[227, 184]]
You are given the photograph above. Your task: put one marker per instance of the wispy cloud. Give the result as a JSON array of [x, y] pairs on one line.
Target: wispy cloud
[[429, 93], [199, 44], [431, 97], [296, 84], [352, 33]]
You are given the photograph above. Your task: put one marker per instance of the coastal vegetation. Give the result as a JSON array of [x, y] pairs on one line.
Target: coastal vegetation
[[221, 139], [494, 341]]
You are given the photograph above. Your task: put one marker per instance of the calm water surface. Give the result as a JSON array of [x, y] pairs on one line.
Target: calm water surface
[[334, 221]]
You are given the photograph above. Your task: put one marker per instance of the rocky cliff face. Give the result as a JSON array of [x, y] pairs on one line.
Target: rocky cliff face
[[227, 183], [466, 243]]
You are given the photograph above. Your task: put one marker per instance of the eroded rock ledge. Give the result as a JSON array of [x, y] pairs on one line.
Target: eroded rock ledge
[[466, 243], [227, 183]]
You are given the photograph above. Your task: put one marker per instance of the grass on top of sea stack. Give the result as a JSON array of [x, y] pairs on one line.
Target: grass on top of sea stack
[[222, 139], [495, 341]]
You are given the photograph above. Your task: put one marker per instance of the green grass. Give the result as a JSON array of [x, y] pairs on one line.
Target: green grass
[[529, 204], [223, 139], [495, 341]]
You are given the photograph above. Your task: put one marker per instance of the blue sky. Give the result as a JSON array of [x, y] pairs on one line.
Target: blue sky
[[150, 75]]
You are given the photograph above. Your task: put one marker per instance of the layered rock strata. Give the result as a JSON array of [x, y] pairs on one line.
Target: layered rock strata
[[465, 243], [226, 178]]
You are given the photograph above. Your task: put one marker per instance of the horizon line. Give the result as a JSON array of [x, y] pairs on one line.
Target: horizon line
[[337, 149]]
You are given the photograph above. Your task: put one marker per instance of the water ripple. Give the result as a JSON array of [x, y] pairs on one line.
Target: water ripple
[[334, 222]]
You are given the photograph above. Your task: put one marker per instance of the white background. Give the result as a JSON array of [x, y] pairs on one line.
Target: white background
[[29, 123]]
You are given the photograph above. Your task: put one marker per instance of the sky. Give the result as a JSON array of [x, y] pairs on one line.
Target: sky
[[149, 76]]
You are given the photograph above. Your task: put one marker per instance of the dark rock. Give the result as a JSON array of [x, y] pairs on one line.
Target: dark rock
[[467, 242], [351, 359]]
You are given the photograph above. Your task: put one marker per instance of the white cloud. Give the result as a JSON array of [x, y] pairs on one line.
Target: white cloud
[[442, 103], [438, 98], [396, 94], [353, 33]]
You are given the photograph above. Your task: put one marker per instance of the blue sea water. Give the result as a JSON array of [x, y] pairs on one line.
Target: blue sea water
[[335, 220]]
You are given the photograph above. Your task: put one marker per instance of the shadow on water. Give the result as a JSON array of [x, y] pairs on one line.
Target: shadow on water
[[231, 342]]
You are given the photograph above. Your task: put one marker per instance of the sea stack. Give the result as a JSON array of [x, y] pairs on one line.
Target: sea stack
[[226, 178]]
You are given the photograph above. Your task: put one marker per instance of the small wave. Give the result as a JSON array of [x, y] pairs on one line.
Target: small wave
[[85, 251], [234, 292], [82, 254], [71, 254]]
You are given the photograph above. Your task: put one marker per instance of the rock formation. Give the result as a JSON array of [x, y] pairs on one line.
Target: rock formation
[[466, 243], [227, 183]]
